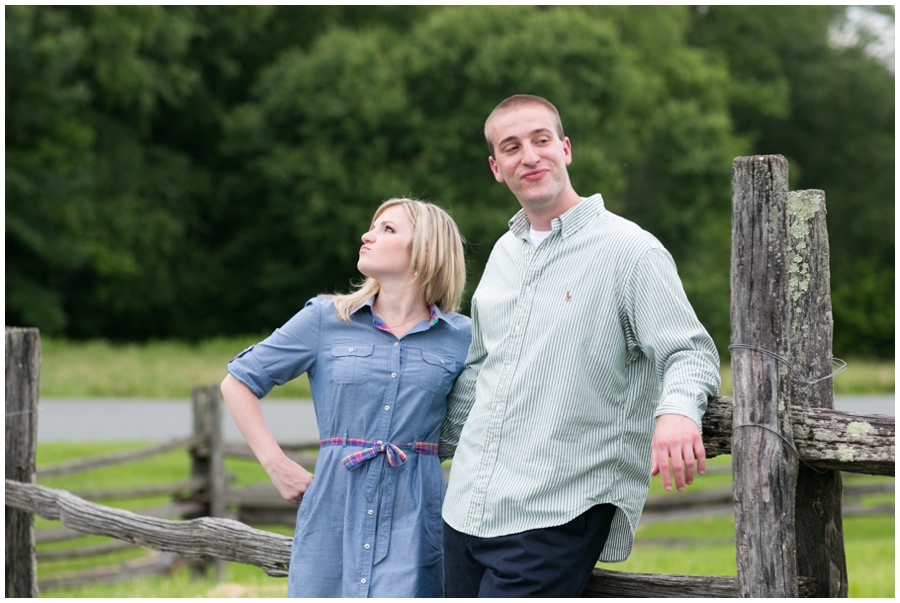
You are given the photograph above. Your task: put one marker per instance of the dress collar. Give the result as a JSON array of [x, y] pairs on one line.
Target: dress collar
[[436, 315]]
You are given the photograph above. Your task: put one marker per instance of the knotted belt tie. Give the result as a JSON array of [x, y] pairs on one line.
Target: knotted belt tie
[[394, 452]]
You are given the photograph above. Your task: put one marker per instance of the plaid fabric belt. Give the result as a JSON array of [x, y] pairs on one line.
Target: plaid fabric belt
[[394, 452]]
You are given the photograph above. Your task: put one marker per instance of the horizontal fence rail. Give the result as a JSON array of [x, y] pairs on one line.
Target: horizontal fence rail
[[233, 541], [824, 438], [193, 539], [118, 458]]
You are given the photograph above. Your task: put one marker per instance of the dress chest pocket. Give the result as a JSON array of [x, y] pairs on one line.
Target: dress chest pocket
[[434, 372], [351, 363]]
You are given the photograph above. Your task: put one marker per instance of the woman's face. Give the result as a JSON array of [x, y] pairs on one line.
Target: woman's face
[[385, 253]]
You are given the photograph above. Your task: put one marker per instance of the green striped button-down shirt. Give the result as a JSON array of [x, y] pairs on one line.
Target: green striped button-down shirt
[[577, 345]]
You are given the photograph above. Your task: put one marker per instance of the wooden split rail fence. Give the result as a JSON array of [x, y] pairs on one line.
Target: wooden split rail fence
[[788, 445]]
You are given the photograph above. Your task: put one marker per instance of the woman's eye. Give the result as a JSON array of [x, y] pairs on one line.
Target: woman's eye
[[388, 229]]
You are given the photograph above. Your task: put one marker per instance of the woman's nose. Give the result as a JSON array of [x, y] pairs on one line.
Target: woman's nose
[[368, 237]]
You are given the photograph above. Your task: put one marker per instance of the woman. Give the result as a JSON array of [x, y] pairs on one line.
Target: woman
[[381, 362]]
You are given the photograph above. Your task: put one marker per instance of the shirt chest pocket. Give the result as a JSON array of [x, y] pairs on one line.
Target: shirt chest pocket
[[351, 363], [434, 372]]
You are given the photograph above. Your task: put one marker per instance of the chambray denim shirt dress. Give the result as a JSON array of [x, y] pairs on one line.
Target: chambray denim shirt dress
[[370, 522]]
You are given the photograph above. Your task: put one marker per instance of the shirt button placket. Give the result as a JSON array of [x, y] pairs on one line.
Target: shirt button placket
[[366, 566]]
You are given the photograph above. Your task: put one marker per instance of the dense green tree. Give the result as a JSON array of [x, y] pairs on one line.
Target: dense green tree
[[360, 118], [193, 170], [90, 222], [829, 109]]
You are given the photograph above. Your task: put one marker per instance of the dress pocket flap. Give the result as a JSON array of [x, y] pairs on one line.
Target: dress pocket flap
[[351, 350], [438, 360]]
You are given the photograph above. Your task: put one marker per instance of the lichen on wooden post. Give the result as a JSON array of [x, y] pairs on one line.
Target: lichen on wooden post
[[819, 527]]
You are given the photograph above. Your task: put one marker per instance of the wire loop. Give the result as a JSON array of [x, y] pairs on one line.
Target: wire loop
[[842, 365]]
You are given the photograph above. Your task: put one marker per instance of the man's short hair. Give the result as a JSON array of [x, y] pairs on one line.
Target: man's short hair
[[517, 102]]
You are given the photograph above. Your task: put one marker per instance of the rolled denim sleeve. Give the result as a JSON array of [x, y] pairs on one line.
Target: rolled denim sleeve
[[286, 354]]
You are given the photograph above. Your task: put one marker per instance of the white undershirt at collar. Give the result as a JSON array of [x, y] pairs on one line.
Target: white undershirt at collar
[[537, 236]]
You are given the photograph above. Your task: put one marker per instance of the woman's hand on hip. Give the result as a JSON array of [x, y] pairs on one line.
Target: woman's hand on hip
[[290, 479]]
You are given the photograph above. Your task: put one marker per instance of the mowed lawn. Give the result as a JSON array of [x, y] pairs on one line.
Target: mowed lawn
[[702, 546], [169, 369]]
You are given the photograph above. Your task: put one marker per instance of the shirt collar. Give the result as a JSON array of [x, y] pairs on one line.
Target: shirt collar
[[568, 223], [436, 313]]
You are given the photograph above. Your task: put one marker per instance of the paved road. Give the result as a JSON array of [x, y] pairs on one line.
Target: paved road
[[128, 419]]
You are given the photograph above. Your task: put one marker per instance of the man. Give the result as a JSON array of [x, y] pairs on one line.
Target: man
[[583, 347]]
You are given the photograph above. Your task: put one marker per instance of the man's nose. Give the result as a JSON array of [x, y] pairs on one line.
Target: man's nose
[[529, 154]]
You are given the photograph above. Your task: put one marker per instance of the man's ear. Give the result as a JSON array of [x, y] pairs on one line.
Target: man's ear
[[494, 169]]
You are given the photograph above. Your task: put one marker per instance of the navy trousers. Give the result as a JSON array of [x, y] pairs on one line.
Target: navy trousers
[[547, 562]]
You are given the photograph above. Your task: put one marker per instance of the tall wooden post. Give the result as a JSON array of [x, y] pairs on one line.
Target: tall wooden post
[[208, 460], [23, 361], [764, 469], [819, 526]]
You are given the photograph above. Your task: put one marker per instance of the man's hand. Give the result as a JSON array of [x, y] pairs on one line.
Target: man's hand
[[678, 438]]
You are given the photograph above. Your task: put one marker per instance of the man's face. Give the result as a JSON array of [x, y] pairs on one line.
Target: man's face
[[529, 155]]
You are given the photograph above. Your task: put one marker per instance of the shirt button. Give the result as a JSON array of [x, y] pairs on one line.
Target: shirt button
[[396, 343], [363, 581], [371, 511], [387, 407], [349, 349], [527, 289], [518, 328], [379, 442], [393, 375], [492, 446], [366, 546], [442, 361]]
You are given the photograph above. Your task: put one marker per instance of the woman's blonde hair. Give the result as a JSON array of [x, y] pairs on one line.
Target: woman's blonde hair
[[437, 258]]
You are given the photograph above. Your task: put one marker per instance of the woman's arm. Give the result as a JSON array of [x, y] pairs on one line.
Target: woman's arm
[[290, 479]]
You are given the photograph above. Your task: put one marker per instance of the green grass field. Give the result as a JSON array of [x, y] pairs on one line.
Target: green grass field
[[697, 547], [169, 369]]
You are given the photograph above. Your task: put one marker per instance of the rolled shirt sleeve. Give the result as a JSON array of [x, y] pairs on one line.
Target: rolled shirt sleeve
[[668, 332]]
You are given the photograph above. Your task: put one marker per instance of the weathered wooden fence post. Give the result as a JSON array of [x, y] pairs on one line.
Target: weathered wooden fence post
[[764, 469], [781, 305], [23, 361], [207, 460], [810, 324]]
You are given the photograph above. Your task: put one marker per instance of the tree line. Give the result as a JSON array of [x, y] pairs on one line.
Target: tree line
[[192, 171]]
